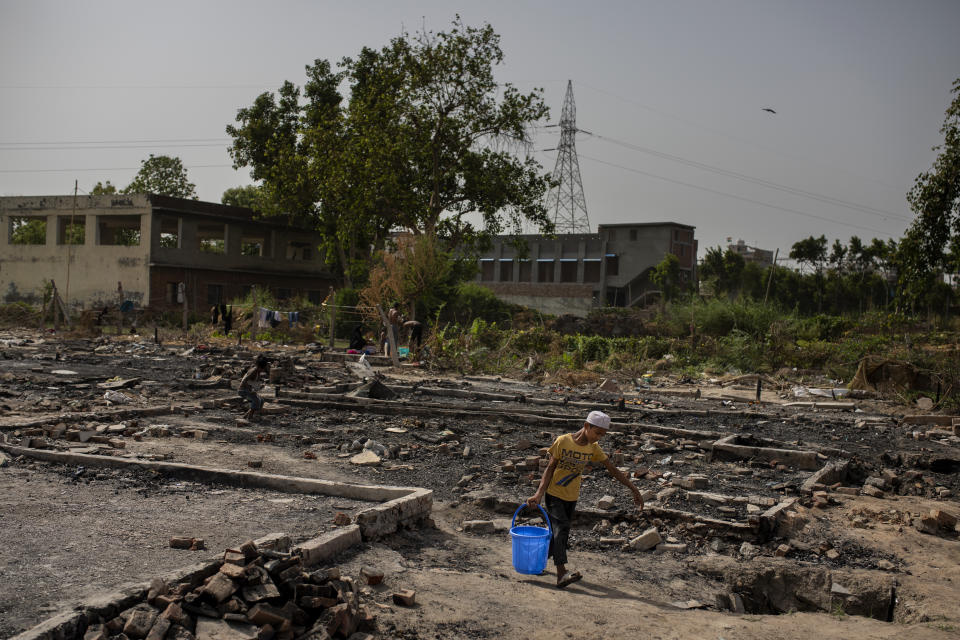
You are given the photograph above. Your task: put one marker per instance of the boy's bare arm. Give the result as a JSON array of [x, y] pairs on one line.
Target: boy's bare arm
[[535, 499], [622, 477]]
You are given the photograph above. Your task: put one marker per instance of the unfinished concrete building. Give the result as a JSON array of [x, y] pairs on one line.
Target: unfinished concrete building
[[149, 245], [574, 273]]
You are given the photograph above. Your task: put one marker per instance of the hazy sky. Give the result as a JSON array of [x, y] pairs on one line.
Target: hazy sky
[[675, 90]]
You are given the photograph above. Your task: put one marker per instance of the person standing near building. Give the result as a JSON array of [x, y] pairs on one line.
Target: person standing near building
[[394, 319], [569, 454]]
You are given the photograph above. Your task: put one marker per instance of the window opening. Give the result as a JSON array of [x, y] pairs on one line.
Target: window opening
[[28, 230], [123, 231]]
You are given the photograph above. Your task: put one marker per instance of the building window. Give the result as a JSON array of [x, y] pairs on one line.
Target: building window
[[74, 232], [486, 270], [214, 294], [568, 271], [212, 237], [544, 270], [169, 233], [173, 293], [252, 246], [613, 264], [633, 235], [123, 231], [24, 230], [299, 251], [611, 234], [315, 296], [506, 271], [591, 270], [524, 271]]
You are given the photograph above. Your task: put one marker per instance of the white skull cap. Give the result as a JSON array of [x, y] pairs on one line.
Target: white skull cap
[[599, 419]]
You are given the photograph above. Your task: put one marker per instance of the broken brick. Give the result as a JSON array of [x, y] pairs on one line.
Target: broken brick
[[219, 588], [159, 629], [139, 623], [261, 614], [371, 575], [405, 597], [179, 542], [233, 571]]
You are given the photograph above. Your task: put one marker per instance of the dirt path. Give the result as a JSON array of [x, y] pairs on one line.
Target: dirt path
[[466, 588]]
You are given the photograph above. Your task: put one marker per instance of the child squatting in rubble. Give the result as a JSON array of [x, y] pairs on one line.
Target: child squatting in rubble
[[251, 383], [569, 454]]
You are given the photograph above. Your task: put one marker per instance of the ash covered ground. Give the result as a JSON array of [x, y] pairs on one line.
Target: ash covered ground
[[478, 443]]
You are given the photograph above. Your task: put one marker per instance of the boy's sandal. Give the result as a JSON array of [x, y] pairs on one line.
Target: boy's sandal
[[570, 579]]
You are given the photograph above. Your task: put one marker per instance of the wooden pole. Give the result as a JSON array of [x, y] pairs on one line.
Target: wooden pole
[[67, 238], [770, 279], [63, 310], [255, 318], [394, 357], [333, 316]]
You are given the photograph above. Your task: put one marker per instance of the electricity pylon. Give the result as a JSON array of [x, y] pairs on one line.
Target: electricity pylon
[[565, 201]]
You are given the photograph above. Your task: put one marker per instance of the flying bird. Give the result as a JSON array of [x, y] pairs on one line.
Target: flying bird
[[769, 109]]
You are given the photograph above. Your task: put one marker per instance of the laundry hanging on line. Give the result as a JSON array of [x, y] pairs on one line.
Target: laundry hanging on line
[[271, 318]]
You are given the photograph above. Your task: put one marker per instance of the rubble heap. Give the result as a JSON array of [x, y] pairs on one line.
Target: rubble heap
[[256, 593]]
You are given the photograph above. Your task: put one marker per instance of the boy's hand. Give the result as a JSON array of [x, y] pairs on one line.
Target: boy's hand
[[534, 500]]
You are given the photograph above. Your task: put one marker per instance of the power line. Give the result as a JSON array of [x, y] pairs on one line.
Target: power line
[[130, 146], [73, 142], [754, 180], [730, 195], [132, 86], [195, 166], [734, 138]]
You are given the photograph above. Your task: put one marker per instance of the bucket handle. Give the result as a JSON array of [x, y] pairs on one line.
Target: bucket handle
[[524, 504]]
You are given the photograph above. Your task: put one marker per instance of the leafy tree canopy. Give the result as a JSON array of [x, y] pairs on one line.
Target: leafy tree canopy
[[811, 251], [249, 196], [935, 199], [103, 189], [162, 175], [420, 140]]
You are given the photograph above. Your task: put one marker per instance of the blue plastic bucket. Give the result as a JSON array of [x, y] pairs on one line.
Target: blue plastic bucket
[[530, 545]]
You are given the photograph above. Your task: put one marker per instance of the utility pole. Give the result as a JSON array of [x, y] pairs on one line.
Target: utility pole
[[566, 202], [69, 241], [770, 279]]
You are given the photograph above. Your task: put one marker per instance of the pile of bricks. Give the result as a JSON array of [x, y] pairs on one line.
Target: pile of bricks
[[257, 594]]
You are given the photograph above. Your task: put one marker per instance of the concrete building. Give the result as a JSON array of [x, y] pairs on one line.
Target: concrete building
[[574, 273], [763, 257], [150, 244]]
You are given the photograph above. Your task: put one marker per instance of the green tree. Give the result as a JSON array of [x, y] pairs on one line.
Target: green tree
[[935, 200], [723, 269], [422, 143], [812, 251], [249, 196], [103, 189], [162, 175], [666, 275]]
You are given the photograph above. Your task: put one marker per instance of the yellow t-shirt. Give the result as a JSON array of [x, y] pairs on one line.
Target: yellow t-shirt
[[571, 459]]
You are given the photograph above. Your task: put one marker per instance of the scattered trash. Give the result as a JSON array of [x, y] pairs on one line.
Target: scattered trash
[[115, 397]]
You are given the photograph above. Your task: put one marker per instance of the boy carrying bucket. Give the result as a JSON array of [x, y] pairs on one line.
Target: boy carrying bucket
[[569, 454]]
